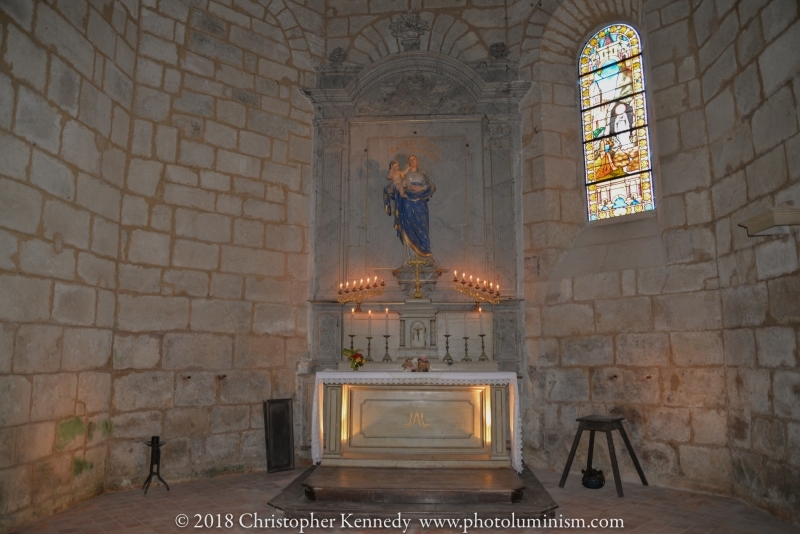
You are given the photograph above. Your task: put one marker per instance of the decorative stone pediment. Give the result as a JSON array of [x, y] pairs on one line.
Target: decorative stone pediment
[[418, 83], [416, 93]]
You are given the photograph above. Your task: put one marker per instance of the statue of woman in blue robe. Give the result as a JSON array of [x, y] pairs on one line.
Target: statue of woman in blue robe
[[407, 199]]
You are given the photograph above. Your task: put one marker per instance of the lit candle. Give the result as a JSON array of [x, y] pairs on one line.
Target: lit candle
[[386, 323], [352, 316], [369, 323], [446, 325], [480, 318]]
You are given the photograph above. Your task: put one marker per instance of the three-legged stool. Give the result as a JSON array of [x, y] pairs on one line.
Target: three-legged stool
[[602, 423]]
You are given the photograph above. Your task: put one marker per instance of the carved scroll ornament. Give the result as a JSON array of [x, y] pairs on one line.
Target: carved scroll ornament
[[416, 93]]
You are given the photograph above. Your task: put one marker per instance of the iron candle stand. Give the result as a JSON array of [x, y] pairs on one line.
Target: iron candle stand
[[466, 357], [351, 340], [155, 462]]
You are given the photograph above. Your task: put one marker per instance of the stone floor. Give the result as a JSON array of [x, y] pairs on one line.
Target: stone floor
[[643, 509]]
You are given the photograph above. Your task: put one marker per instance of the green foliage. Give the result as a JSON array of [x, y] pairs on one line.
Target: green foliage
[[79, 465], [107, 428], [69, 430]]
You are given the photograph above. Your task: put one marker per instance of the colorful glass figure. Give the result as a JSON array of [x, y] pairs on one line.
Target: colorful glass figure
[[616, 140]]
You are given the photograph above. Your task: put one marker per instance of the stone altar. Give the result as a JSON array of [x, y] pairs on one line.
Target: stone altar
[[378, 419]]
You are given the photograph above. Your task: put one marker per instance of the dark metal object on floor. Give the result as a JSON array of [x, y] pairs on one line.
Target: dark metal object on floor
[[279, 434], [155, 462], [602, 423], [593, 478]]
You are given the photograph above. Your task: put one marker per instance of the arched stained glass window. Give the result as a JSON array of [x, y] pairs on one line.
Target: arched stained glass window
[[616, 141]]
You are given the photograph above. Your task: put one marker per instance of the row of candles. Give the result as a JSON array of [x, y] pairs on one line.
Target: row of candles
[[488, 287], [345, 288], [386, 322]]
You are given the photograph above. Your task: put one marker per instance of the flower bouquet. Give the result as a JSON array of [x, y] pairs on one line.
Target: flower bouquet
[[355, 357], [415, 365]]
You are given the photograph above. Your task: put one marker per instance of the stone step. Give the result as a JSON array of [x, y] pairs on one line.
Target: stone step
[[413, 486]]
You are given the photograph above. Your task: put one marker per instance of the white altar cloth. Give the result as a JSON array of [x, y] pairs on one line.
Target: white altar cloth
[[446, 378]]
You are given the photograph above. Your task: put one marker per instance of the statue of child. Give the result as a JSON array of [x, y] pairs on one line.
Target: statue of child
[[396, 176]]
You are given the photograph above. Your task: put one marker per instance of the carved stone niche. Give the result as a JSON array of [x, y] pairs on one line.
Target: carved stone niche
[[462, 121]]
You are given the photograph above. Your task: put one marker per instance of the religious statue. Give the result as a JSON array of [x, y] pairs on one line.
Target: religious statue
[[406, 197]]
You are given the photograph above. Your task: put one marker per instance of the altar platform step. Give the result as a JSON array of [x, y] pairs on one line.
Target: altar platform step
[[535, 501], [414, 486]]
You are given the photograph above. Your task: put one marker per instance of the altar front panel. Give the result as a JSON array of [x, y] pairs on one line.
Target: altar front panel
[[419, 421]]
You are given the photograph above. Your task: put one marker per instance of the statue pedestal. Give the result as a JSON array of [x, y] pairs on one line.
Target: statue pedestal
[[428, 276]]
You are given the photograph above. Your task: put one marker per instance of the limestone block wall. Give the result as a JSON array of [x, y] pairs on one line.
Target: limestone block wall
[[678, 321], [211, 304], [154, 195], [66, 90], [751, 90]]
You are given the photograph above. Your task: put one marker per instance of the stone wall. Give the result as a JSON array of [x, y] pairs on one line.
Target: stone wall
[[154, 199], [678, 321]]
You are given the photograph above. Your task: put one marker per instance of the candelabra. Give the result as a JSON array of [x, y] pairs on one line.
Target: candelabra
[[386, 357], [466, 357], [359, 293], [480, 292], [447, 358], [483, 357]]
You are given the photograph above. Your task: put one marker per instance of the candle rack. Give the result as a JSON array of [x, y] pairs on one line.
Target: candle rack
[[479, 292], [360, 293]]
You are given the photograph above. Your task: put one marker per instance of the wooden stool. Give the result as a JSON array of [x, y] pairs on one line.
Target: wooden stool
[[602, 423]]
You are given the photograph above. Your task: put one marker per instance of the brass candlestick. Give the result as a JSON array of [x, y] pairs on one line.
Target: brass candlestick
[[360, 293], [483, 357], [369, 349], [386, 357], [485, 292], [447, 358], [466, 357]]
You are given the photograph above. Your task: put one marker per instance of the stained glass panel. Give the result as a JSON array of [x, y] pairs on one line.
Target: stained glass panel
[[616, 139]]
